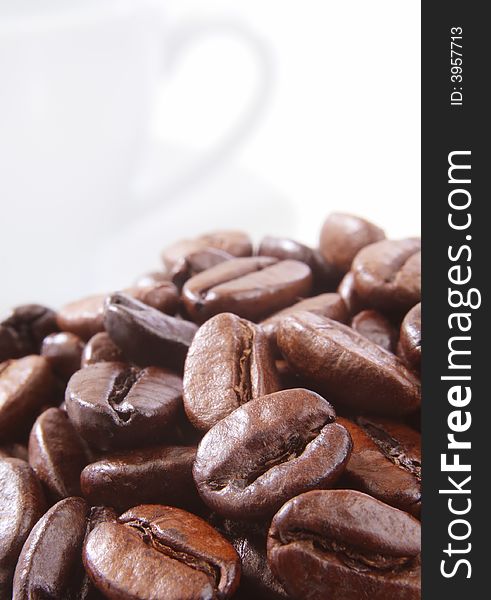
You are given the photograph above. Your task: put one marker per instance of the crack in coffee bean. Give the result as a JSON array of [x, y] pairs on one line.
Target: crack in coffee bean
[[121, 388], [391, 448], [243, 389], [192, 561]]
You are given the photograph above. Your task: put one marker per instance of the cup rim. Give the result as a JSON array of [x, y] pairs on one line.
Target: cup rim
[[65, 15]]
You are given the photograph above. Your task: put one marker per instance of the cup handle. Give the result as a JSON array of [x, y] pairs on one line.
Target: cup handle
[[180, 39]]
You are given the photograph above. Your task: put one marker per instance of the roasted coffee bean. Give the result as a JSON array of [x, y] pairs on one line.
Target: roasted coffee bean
[[152, 278], [268, 451], [343, 236], [49, 564], [327, 305], [13, 450], [350, 369], [346, 290], [387, 275], [86, 317], [56, 454], [21, 504], [26, 384], [229, 362], [325, 276], [375, 327], [101, 348], [63, 351], [23, 329], [236, 243], [385, 462], [146, 336], [114, 405], [345, 544], [196, 262], [252, 288], [409, 349], [177, 555], [159, 475]]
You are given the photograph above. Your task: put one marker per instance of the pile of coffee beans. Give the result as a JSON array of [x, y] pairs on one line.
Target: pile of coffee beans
[[242, 424]]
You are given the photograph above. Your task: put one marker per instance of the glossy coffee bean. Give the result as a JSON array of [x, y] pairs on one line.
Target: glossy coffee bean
[[343, 236], [345, 544], [101, 348], [385, 462], [325, 276], [23, 329], [347, 291], [146, 336], [26, 384], [196, 262], [375, 327], [114, 405], [229, 363], [177, 556], [327, 305], [409, 349], [236, 243], [268, 451], [49, 565], [63, 351], [158, 475], [56, 454], [21, 504], [353, 372], [387, 275], [252, 288], [85, 317]]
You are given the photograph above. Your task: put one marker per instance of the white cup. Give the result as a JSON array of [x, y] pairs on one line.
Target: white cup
[[78, 84]]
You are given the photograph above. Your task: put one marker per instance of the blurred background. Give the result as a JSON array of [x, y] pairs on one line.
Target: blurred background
[[126, 124]]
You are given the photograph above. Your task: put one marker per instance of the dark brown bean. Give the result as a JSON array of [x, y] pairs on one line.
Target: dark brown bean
[[345, 544], [146, 336], [252, 288], [343, 236], [56, 454], [196, 262], [63, 351], [229, 362], [409, 349], [26, 384], [159, 475], [101, 348], [346, 290], [269, 450], [21, 504], [375, 327], [114, 405], [353, 371], [178, 557]]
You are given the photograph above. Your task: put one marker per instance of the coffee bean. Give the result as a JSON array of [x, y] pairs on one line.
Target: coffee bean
[[343, 236], [101, 348], [346, 290], [327, 305], [353, 372], [56, 454], [114, 405], [252, 288], [325, 275], [196, 262], [387, 275], [63, 351], [49, 564], [23, 329], [375, 327], [26, 384], [158, 475], [152, 278], [146, 336], [236, 243], [345, 544], [176, 555], [409, 349], [385, 462], [21, 504], [229, 362], [269, 450]]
